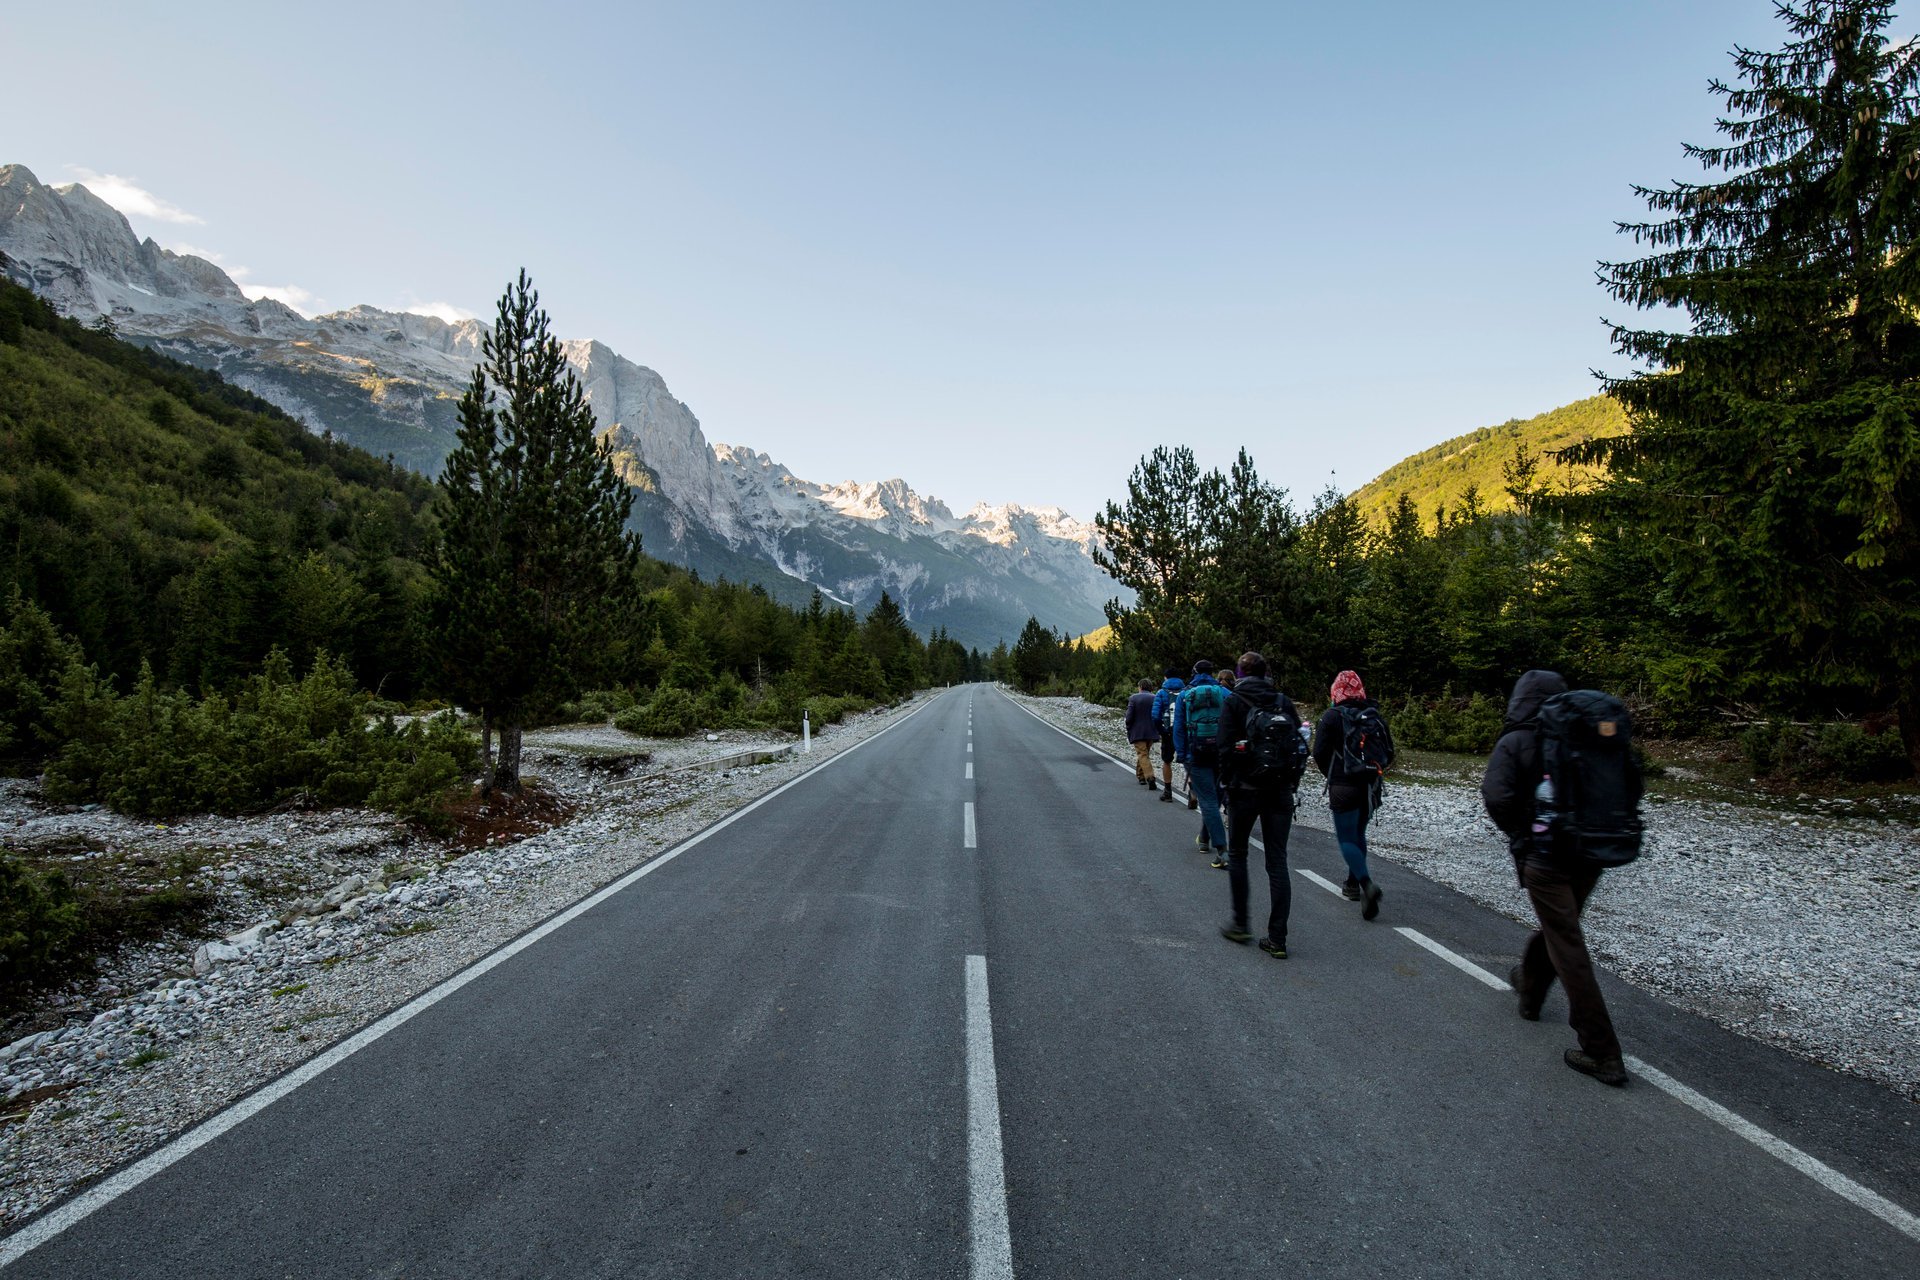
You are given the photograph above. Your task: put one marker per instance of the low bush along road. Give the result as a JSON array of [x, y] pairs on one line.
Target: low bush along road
[[954, 1004]]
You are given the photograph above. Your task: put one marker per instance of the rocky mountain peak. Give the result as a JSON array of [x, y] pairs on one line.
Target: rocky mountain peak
[[389, 381]]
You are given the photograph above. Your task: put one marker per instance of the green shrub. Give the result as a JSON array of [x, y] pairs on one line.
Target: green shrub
[[1470, 725], [826, 708], [41, 926], [598, 706], [1838, 749], [159, 752], [670, 713]]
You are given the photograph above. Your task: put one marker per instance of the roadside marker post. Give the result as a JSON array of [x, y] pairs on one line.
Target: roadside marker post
[[806, 733]]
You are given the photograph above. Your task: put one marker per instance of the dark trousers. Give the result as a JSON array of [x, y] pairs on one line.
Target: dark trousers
[[1274, 812], [1559, 948]]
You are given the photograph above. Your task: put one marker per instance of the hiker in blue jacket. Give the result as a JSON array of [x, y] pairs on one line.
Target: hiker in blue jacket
[[1163, 704], [1196, 744]]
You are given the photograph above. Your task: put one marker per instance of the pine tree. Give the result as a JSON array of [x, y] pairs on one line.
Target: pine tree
[[1775, 450], [1156, 543], [1035, 655], [533, 556]]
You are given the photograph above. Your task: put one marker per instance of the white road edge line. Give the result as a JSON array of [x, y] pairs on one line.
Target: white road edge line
[[1826, 1175], [969, 768], [1839, 1183], [966, 813], [990, 1243], [1459, 962], [1319, 879], [46, 1227]]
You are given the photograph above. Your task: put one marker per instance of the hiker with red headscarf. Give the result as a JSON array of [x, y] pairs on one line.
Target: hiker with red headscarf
[[1354, 749]]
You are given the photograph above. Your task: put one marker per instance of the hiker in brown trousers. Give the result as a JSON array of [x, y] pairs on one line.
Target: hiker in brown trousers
[[1557, 884]]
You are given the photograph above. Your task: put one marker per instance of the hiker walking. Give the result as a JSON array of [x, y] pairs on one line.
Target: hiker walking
[[1352, 746], [1142, 733], [1261, 762], [1163, 704], [1563, 786], [1196, 744]]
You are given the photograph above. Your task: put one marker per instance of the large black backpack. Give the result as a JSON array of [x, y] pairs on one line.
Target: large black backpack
[[1586, 747], [1366, 747], [1273, 755]]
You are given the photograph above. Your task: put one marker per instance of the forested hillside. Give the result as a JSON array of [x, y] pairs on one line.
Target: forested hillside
[[1441, 476], [184, 569]]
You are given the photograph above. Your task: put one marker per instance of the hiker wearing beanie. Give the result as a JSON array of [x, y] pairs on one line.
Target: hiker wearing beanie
[[1353, 748], [1261, 758], [1142, 733], [1196, 744], [1163, 704]]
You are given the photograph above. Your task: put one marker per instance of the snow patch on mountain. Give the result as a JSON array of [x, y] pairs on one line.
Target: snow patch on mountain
[[389, 381]]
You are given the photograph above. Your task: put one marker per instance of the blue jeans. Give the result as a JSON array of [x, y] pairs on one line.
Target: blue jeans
[[1206, 789], [1351, 829]]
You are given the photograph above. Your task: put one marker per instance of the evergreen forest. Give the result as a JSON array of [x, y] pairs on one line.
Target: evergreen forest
[[204, 605]]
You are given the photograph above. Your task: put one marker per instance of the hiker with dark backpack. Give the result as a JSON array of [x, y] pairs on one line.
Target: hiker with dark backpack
[[1564, 786], [1354, 749], [1196, 744], [1262, 756], [1163, 703]]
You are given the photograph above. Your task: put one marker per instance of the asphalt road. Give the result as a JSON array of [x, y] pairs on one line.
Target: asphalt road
[[755, 1061]]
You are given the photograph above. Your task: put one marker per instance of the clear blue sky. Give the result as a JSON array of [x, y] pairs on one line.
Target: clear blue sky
[[1000, 250]]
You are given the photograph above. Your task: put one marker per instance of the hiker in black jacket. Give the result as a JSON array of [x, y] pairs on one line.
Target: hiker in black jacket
[[1558, 885], [1250, 800], [1353, 791]]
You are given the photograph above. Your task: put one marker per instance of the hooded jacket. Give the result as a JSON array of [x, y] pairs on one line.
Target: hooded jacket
[[1169, 690], [1248, 692], [1514, 769]]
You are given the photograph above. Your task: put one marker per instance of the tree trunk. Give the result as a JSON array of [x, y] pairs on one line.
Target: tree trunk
[[1909, 708], [486, 754], [506, 775]]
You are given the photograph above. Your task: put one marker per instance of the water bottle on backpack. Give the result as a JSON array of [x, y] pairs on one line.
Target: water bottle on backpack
[[1545, 814]]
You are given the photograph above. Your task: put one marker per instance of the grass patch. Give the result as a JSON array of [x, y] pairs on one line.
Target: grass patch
[[418, 926], [146, 1056], [292, 989]]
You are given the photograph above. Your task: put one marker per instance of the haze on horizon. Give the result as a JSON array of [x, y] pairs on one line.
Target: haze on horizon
[[999, 253]]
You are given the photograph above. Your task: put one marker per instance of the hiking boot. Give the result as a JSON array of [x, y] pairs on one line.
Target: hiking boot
[[1606, 1070], [1516, 978], [1350, 890], [1151, 784], [1236, 933], [1370, 896], [1201, 839], [1166, 797], [1193, 801], [1278, 950], [1219, 862]]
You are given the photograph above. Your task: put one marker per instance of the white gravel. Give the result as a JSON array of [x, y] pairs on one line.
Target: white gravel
[[1800, 929], [157, 1041]]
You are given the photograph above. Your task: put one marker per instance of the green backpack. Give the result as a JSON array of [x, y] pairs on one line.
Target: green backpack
[[1204, 703]]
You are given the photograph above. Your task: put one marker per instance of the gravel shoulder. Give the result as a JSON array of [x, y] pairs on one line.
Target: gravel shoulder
[[165, 1034], [1801, 930]]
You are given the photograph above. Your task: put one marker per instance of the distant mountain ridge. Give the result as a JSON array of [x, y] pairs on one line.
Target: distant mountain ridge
[[389, 383], [1440, 476]]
